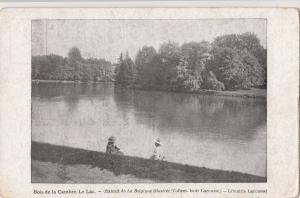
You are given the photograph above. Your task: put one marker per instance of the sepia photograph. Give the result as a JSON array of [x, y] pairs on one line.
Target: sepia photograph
[[117, 101]]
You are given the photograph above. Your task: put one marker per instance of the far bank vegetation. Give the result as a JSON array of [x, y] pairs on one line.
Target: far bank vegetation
[[230, 62]]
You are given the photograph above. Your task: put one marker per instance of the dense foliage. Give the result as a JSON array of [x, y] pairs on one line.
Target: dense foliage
[[230, 62], [75, 68], [125, 71], [239, 61]]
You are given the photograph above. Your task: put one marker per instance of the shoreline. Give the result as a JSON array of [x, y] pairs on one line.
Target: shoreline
[[255, 93], [138, 168], [68, 81]]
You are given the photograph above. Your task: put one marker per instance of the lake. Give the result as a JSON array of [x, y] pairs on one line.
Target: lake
[[227, 133]]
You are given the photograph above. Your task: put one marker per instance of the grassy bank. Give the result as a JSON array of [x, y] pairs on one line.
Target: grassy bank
[[159, 171], [49, 172]]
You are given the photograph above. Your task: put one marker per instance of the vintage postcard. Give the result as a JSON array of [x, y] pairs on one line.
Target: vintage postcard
[[149, 102]]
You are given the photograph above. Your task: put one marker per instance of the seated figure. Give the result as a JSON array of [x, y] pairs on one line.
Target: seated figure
[[111, 147]]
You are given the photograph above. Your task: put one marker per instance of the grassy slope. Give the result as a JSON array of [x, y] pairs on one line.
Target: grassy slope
[[141, 168], [49, 172]]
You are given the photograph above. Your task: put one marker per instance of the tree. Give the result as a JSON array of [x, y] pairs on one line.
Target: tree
[[211, 82], [196, 55], [236, 70], [171, 57], [257, 73], [74, 61], [55, 67], [186, 80], [157, 78], [99, 69], [195, 52], [35, 67], [245, 42], [252, 44], [74, 55], [44, 66], [126, 70], [145, 67]]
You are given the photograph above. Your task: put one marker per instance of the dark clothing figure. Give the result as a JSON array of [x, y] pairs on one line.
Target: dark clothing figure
[[114, 162], [111, 148]]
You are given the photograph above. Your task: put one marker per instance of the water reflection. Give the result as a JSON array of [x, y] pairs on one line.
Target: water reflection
[[216, 132], [219, 117]]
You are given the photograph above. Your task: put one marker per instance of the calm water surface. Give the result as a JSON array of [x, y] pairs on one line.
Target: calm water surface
[[214, 132]]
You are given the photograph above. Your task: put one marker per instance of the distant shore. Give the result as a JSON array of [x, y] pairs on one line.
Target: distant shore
[[81, 163], [67, 81], [251, 93]]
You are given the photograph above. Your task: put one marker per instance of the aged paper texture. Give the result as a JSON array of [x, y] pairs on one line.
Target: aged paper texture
[[149, 102]]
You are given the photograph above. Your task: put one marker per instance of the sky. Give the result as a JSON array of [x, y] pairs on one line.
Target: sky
[[108, 38]]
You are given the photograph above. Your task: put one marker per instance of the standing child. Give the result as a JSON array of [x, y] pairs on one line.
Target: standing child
[[157, 152]]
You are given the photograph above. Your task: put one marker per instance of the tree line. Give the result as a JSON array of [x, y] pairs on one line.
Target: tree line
[[74, 67], [230, 62]]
